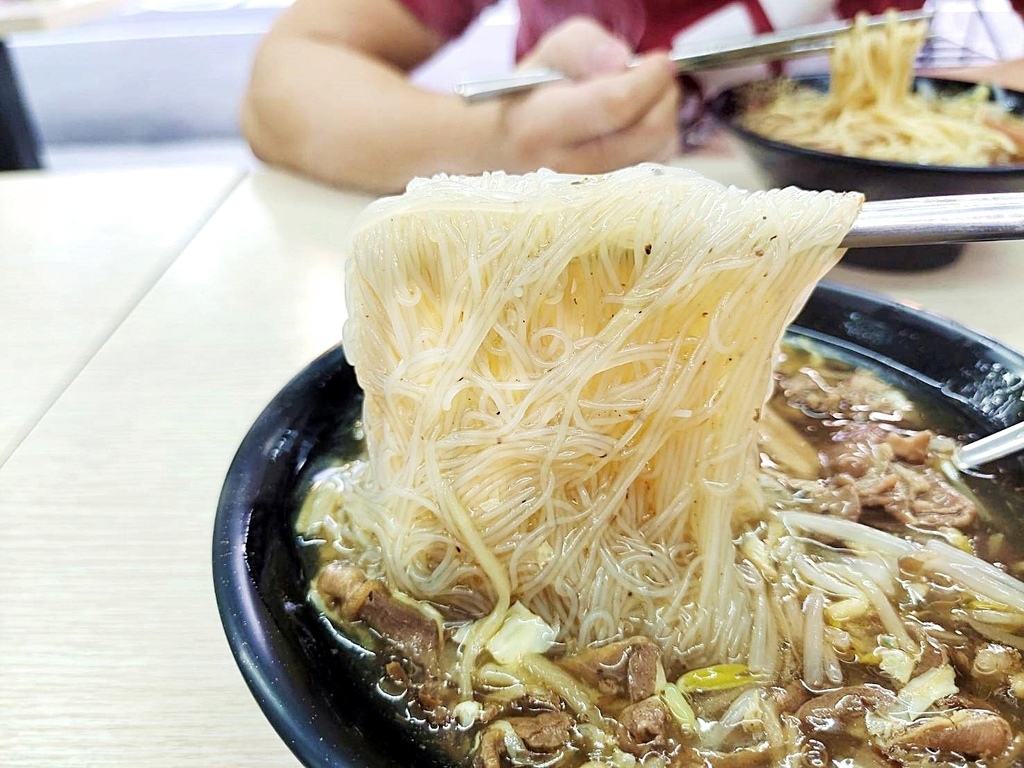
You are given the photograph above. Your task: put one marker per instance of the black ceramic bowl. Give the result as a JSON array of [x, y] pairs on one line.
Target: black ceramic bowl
[[786, 164], [314, 690]]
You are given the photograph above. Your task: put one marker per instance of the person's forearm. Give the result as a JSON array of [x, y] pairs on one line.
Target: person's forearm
[[323, 107], [357, 122], [1008, 74]]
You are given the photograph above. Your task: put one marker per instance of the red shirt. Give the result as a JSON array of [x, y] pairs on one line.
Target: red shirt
[[645, 24]]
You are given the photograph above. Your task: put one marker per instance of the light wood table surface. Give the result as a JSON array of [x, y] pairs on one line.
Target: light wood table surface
[[111, 650], [77, 252]]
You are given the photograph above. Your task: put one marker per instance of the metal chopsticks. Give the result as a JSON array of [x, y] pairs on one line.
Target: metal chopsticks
[[997, 445], [949, 219], [774, 46], [932, 220]]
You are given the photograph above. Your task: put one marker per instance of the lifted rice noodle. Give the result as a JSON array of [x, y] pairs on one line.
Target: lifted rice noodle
[[562, 379]]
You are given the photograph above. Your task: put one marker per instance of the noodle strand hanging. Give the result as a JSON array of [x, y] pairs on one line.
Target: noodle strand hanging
[[549, 366]]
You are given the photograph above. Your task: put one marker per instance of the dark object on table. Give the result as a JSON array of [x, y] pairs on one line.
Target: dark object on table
[[18, 147], [786, 164], [313, 690]]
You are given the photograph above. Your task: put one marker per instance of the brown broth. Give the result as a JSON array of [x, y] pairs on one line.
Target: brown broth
[[993, 536]]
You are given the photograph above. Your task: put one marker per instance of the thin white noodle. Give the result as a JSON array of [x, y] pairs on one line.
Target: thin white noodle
[[551, 419]]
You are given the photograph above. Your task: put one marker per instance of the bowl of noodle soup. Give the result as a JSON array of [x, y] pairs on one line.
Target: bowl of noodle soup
[[783, 163], [328, 676], [872, 126]]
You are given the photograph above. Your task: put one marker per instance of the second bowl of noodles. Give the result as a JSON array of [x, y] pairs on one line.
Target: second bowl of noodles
[[871, 126], [785, 163]]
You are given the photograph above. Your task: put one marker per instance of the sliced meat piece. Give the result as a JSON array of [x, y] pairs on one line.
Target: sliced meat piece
[[544, 732], [626, 668], [882, 490], [851, 449], [912, 448], [536, 699], [937, 503], [887, 471], [644, 726], [910, 495], [790, 697], [833, 711], [401, 623], [972, 733], [395, 671], [642, 669], [837, 497], [993, 665], [491, 749], [344, 588], [818, 394], [437, 698]]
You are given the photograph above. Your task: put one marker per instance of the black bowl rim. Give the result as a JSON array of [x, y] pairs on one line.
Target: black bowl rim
[[245, 619], [247, 624], [717, 108]]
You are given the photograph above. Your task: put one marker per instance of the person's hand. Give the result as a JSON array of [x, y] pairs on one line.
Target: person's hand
[[609, 116]]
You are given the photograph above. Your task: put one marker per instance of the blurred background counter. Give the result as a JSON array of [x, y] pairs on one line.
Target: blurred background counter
[[19, 145], [160, 82]]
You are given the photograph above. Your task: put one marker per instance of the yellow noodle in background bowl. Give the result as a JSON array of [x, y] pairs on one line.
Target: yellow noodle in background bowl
[[863, 128], [870, 109]]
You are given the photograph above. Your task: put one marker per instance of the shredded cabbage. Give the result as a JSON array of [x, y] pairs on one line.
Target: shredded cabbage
[[522, 633]]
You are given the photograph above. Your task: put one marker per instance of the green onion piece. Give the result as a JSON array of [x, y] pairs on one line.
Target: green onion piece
[[717, 678]]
